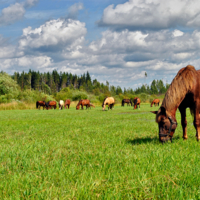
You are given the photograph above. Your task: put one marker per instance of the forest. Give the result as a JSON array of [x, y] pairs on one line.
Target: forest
[[32, 86]]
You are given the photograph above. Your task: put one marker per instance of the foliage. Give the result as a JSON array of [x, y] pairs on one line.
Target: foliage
[[77, 95], [64, 94], [8, 88]]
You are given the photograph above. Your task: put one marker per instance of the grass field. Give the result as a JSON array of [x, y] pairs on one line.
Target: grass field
[[92, 154]]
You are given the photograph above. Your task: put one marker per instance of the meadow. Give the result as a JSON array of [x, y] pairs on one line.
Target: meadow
[[91, 154]]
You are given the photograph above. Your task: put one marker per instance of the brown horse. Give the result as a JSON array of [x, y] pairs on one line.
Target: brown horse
[[155, 101], [67, 103], [136, 102], [110, 101], [128, 101], [40, 103], [51, 104], [83, 102], [182, 93]]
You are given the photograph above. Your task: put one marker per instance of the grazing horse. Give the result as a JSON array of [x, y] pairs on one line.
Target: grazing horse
[[182, 93], [40, 103], [136, 102], [67, 103], [110, 101], [51, 104], [83, 102], [155, 101], [61, 104], [128, 101]]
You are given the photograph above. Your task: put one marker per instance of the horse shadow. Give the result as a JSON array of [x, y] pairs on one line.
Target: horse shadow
[[145, 140]]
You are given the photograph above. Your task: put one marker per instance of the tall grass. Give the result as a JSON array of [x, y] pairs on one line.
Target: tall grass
[[91, 154]]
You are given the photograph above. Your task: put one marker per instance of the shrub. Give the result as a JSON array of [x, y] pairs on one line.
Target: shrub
[[64, 94], [79, 95]]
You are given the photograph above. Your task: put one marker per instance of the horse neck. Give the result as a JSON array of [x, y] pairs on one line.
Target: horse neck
[[174, 97], [79, 103]]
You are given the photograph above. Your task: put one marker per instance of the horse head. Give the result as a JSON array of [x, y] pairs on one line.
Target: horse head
[[166, 124]]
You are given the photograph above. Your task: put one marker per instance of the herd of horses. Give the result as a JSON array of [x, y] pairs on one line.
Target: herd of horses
[[184, 92], [110, 101]]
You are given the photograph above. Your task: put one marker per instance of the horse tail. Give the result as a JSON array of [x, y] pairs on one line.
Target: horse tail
[[37, 104]]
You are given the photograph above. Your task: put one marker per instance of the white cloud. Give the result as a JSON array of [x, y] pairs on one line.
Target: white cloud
[[152, 14], [73, 10], [15, 12], [12, 14], [177, 33], [53, 33]]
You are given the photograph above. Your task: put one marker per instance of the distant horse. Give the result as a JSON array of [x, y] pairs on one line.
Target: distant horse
[[110, 101], [183, 92], [136, 101], [61, 104], [67, 103], [155, 101], [83, 102], [40, 103], [51, 104], [128, 101]]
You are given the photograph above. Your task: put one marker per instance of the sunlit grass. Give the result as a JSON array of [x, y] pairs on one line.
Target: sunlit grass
[[70, 154]]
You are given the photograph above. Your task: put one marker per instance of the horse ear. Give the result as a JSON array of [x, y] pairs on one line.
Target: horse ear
[[155, 112]]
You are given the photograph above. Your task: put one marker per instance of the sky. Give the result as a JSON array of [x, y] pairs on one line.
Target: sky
[[114, 40]]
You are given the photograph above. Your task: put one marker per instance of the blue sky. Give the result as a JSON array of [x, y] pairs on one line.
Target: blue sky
[[116, 41]]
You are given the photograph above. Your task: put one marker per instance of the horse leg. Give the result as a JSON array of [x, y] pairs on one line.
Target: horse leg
[[183, 122], [196, 123]]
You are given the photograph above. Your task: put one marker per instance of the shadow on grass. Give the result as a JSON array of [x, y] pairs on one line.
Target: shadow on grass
[[146, 140]]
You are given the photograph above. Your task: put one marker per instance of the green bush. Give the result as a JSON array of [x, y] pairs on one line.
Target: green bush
[[64, 94], [9, 88], [79, 95]]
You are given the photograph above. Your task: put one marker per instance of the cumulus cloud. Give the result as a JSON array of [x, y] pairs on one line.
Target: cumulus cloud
[[15, 12], [152, 14], [73, 10], [12, 14], [53, 35]]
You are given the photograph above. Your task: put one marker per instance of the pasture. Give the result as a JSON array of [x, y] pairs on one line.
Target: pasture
[[91, 154]]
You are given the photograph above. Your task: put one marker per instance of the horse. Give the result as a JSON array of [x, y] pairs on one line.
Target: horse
[[182, 93], [83, 102], [155, 101], [67, 103], [136, 101], [50, 104], [110, 101], [61, 104], [128, 101], [40, 103]]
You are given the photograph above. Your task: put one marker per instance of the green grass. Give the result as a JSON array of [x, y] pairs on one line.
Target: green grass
[[79, 154]]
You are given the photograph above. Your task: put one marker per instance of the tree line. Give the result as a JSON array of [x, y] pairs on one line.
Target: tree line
[[51, 83]]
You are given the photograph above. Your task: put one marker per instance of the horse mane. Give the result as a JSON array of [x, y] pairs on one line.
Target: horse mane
[[104, 100], [180, 86], [135, 101]]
